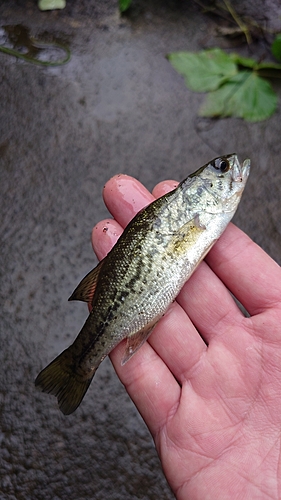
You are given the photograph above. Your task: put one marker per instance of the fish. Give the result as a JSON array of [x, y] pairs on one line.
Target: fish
[[132, 287]]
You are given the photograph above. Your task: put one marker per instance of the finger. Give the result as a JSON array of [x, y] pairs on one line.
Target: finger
[[104, 236], [150, 384], [124, 196], [208, 303], [177, 342], [246, 270], [163, 188]]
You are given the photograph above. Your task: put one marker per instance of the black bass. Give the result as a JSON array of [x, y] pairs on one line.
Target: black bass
[[133, 286]]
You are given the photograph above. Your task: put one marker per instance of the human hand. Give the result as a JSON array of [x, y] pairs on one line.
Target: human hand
[[208, 381]]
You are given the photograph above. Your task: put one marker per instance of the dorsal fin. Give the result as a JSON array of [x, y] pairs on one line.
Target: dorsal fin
[[86, 288]]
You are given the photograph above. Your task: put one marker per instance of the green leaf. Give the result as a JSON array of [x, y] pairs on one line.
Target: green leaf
[[268, 69], [245, 95], [246, 62], [51, 4], [276, 47], [124, 5], [268, 65], [203, 71]]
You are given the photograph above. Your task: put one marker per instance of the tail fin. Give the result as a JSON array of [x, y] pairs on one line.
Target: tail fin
[[59, 379]]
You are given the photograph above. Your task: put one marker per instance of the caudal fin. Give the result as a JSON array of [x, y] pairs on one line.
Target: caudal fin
[[59, 379]]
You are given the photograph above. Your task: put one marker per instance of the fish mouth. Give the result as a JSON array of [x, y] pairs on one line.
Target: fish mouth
[[246, 169], [240, 174]]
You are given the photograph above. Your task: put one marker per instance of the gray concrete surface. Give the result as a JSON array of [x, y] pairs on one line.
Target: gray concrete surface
[[117, 106]]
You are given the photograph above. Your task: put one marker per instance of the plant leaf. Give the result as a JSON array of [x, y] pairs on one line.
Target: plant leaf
[[245, 95], [270, 69], [246, 62], [124, 5], [276, 47], [203, 71], [268, 65]]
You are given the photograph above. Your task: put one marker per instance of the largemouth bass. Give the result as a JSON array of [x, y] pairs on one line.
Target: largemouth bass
[[133, 286]]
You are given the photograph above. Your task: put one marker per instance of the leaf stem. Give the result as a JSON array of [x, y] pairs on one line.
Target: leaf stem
[[33, 60], [242, 26]]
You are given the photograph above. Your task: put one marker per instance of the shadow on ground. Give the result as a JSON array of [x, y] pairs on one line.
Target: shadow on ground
[[117, 106]]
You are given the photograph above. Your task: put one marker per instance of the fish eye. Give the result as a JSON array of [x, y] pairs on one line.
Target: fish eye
[[222, 165]]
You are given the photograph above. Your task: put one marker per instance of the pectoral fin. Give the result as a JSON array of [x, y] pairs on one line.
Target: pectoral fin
[[186, 236], [136, 340], [86, 288]]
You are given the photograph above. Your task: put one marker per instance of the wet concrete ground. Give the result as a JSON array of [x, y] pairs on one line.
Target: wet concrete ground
[[117, 106]]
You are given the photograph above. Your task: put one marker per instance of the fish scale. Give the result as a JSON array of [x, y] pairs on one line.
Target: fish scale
[[133, 286]]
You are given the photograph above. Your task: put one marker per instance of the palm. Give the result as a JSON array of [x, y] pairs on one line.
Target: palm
[[214, 412]]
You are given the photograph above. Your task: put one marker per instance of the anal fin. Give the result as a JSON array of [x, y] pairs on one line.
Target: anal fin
[[136, 340]]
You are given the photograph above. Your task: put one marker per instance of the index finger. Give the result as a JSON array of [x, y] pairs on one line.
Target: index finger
[[132, 196]]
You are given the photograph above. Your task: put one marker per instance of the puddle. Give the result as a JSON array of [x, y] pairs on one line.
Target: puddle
[[15, 40]]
